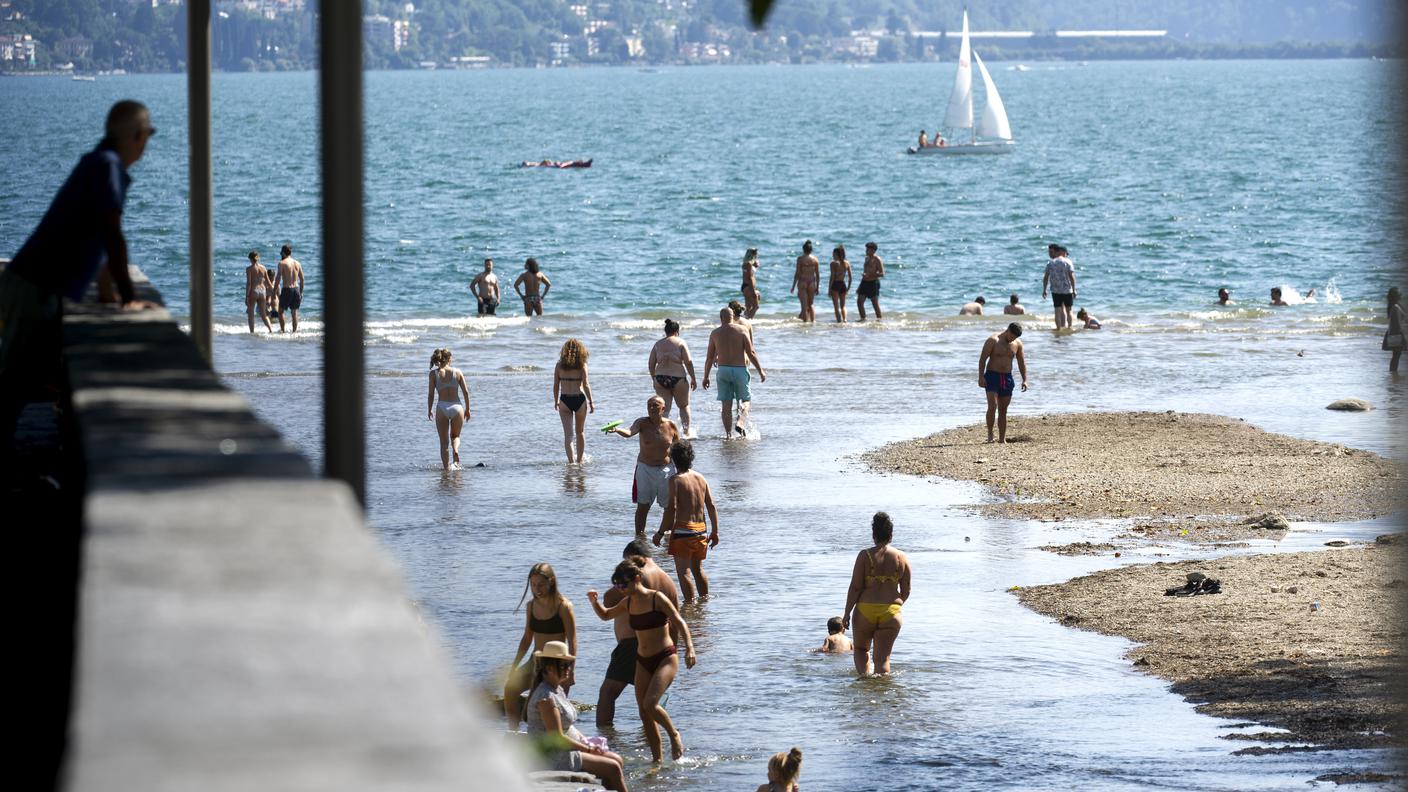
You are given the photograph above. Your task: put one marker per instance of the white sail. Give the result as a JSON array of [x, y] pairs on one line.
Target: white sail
[[960, 102], [993, 124]]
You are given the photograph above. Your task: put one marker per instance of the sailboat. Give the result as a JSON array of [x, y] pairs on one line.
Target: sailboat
[[992, 135]]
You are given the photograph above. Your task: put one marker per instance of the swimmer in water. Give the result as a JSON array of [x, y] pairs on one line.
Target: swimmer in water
[[1091, 323]]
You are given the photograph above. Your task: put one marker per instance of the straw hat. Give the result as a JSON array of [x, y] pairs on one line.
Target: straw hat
[[553, 650]]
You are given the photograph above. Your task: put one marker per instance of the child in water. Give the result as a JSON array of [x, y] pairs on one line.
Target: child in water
[[1091, 323], [783, 770], [836, 641]]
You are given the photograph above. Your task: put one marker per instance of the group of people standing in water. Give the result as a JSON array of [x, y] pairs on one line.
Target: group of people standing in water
[[806, 282]]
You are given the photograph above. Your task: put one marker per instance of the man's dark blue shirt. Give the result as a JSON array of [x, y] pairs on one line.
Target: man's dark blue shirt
[[65, 252]]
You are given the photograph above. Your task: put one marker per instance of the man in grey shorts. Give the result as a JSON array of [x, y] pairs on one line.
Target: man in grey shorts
[[653, 468], [731, 347]]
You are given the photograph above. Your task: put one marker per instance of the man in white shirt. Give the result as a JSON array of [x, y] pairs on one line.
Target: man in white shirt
[[1060, 278]]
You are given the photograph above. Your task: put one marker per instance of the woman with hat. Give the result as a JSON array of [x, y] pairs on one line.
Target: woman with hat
[[879, 587], [552, 721], [651, 614]]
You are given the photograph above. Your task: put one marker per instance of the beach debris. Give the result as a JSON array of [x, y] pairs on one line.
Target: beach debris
[[1292, 589], [1270, 521], [1350, 405], [1337, 543], [1386, 539], [1198, 583], [1314, 607]]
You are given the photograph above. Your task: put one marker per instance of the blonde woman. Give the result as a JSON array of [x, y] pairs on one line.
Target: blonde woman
[[783, 770], [449, 413], [879, 588], [549, 618], [572, 396]]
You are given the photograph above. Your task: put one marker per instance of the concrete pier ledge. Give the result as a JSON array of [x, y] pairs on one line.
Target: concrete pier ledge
[[239, 627]]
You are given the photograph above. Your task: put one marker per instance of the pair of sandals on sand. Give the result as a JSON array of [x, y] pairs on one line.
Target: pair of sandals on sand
[[1198, 583]]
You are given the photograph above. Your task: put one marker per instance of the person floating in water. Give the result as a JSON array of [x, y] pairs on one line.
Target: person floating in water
[[995, 375], [1224, 297], [547, 163], [1091, 323]]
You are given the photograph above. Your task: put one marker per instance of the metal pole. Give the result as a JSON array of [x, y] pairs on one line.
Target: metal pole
[[340, 84], [202, 196]]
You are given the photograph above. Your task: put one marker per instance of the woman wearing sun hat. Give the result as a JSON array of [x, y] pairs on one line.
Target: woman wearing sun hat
[[552, 721]]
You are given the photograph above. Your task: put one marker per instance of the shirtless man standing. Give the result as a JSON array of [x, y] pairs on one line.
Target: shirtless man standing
[[256, 291], [485, 288], [530, 280], [290, 297], [995, 375], [652, 478], [870, 281], [690, 500], [622, 670], [731, 347], [750, 282]]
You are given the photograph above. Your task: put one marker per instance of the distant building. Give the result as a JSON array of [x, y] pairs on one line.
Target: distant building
[[561, 50], [376, 28], [579, 10], [18, 50], [73, 47], [634, 47]]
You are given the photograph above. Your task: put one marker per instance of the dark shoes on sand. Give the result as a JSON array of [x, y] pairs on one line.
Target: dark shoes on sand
[[1198, 583]]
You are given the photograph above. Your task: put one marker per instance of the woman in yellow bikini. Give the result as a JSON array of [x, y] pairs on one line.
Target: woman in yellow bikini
[[879, 587]]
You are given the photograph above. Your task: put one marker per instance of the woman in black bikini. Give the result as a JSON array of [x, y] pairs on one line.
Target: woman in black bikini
[[572, 396], [669, 364], [650, 614], [549, 618]]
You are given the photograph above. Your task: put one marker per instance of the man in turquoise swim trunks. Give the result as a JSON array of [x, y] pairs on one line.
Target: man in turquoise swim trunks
[[731, 347]]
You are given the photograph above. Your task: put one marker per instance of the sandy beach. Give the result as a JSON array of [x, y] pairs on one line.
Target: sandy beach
[[1306, 642], [1163, 466]]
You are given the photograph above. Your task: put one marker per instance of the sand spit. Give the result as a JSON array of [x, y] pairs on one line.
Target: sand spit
[[1165, 466], [1308, 642]]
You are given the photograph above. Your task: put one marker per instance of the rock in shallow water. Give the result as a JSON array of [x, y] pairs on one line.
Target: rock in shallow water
[[1350, 405]]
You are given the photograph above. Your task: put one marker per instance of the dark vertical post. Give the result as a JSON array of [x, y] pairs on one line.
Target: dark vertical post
[[201, 192], [340, 84]]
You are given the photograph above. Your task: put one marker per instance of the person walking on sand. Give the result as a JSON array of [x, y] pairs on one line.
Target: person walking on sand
[[690, 500], [805, 280], [1060, 277], [449, 413], [622, 669], [552, 721], [1393, 336], [750, 282], [572, 396], [652, 475], [670, 365], [785, 768], [974, 308], [651, 615], [290, 296], [731, 347], [840, 282], [530, 280], [257, 286], [1014, 308], [879, 588], [995, 375], [485, 288], [870, 276], [548, 617]]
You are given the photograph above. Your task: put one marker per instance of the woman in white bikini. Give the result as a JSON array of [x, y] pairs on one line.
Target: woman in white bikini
[[805, 281], [669, 365], [448, 413], [257, 286], [879, 587], [572, 396]]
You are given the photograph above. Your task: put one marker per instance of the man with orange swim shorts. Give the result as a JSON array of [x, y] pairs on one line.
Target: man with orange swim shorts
[[689, 501]]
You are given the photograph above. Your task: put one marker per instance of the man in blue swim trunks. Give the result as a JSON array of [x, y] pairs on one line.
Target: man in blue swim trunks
[[731, 347], [995, 375]]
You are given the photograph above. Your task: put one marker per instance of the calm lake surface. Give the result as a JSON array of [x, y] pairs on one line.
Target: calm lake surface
[[1165, 180]]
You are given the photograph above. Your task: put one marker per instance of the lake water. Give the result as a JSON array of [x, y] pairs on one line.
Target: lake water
[[1166, 181]]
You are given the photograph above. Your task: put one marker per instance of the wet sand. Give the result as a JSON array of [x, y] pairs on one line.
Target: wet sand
[[1307, 642], [1182, 470]]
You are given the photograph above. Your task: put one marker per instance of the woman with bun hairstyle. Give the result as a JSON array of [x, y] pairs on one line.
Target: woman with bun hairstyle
[[572, 396], [650, 614], [879, 587], [783, 770], [449, 413]]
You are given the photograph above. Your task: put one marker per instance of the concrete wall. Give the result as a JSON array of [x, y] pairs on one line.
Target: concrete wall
[[227, 647]]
